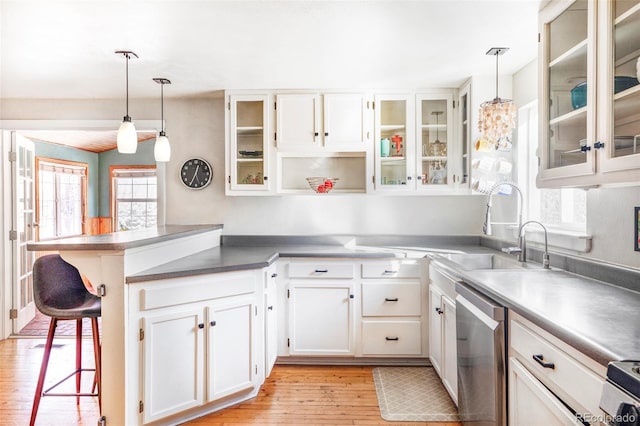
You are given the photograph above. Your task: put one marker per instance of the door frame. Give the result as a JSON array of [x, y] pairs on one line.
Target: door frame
[[6, 211]]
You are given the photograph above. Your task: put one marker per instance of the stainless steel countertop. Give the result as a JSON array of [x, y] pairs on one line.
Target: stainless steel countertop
[[598, 319]]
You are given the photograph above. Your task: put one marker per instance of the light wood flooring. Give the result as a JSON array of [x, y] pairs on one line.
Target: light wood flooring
[[292, 395]]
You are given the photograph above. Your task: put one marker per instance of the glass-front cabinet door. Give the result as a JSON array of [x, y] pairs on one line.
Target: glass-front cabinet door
[[567, 72], [394, 142], [621, 91], [248, 137], [434, 140]]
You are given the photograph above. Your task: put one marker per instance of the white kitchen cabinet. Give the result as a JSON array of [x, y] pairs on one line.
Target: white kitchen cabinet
[[321, 317], [270, 318], [437, 149], [173, 379], [394, 150], [315, 122], [465, 133], [531, 403], [199, 341], [442, 330], [231, 366], [248, 149], [435, 329], [589, 93]]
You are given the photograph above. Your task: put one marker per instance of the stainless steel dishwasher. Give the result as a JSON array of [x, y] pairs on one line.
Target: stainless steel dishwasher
[[480, 328]]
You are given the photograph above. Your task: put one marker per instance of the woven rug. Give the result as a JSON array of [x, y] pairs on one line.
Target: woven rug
[[413, 394]]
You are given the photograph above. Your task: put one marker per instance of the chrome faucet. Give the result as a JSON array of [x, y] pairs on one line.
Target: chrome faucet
[[522, 243], [486, 228]]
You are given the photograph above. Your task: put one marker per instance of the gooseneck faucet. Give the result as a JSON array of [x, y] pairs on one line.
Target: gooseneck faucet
[[486, 228], [522, 243]]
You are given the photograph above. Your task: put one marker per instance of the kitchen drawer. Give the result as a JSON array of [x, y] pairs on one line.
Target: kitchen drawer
[[569, 378], [391, 338], [391, 269], [391, 299], [321, 270]]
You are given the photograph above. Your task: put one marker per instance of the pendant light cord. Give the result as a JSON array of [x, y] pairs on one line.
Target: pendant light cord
[[126, 55], [162, 105]]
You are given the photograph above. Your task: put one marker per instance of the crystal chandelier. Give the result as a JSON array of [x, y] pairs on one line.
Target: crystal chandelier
[[497, 116]]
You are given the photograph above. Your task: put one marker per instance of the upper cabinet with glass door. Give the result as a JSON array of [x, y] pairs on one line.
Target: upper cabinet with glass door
[[435, 146], [567, 72], [247, 156], [394, 147], [620, 91], [589, 95]]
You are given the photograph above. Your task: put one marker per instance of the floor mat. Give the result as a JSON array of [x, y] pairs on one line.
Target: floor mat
[[413, 394]]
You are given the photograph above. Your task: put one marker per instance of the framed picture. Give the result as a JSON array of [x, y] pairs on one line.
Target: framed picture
[[636, 221]]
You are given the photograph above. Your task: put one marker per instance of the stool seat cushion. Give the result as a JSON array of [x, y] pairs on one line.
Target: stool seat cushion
[[59, 291]]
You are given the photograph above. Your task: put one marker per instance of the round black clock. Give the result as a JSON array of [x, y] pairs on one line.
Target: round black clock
[[196, 173]]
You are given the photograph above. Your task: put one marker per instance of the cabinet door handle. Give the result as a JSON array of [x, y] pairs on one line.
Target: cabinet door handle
[[351, 296], [212, 323], [321, 271], [389, 272], [540, 360], [598, 145], [585, 148], [315, 134], [439, 311], [274, 275], [392, 338], [389, 299], [326, 134], [201, 325]]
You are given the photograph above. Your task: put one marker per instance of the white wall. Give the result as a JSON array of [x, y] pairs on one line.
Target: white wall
[[195, 127]]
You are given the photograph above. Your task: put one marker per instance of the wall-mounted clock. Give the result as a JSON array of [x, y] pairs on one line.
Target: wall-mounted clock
[[196, 173]]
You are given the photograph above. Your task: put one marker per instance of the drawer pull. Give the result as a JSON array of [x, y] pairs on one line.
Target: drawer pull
[[389, 299], [321, 271], [389, 272], [201, 326], [212, 323], [270, 308], [540, 360], [392, 338]]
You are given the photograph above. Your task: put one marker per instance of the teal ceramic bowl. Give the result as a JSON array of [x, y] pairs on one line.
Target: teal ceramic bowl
[[579, 93]]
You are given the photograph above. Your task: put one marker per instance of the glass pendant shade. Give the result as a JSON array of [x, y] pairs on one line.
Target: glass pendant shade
[[162, 149], [127, 137]]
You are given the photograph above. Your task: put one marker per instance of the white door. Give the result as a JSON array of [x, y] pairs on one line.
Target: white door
[[321, 318], [23, 230], [172, 362], [298, 121], [346, 121], [230, 349], [435, 328]]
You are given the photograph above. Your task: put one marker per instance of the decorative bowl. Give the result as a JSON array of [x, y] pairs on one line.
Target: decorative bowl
[[321, 184]]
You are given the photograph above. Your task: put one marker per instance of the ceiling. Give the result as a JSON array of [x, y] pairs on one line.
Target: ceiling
[[93, 141], [65, 49]]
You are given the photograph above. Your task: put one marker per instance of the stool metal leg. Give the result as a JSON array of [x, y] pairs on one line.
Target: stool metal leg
[[43, 370]]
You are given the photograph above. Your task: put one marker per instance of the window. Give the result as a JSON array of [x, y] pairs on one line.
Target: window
[[135, 201], [61, 192], [565, 208]]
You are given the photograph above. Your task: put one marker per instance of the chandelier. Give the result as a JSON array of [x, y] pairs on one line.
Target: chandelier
[[497, 116]]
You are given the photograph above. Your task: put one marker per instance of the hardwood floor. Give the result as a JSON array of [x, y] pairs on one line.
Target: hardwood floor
[[293, 395]]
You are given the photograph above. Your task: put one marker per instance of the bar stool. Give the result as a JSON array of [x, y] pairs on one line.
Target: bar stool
[[60, 293]]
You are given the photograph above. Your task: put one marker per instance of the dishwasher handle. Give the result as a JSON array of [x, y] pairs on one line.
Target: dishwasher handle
[[480, 301]]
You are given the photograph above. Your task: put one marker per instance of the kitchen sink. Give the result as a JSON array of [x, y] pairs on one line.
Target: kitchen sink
[[473, 261]]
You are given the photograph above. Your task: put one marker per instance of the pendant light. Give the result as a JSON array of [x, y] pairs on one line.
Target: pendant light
[[127, 136], [162, 149], [497, 116]]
